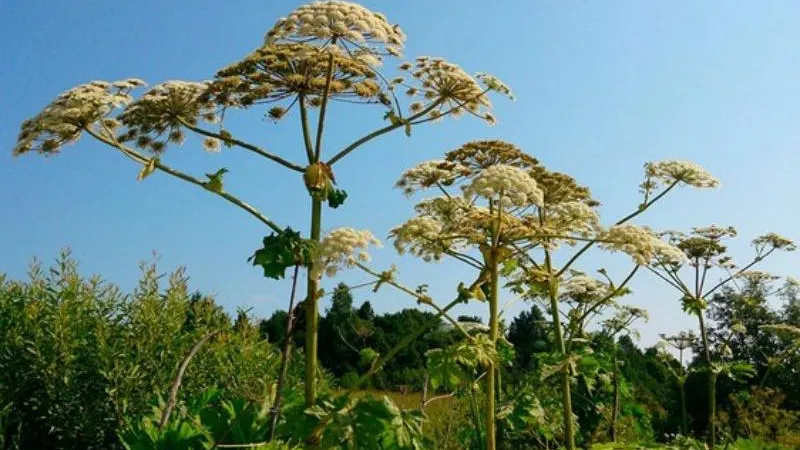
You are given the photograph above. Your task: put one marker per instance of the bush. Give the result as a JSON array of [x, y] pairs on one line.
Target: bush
[[78, 358]]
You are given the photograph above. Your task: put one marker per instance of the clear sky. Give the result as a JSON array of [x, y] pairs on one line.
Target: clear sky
[[601, 88]]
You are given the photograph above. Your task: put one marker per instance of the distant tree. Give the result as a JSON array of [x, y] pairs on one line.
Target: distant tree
[[408, 366], [337, 336], [528, 333], [274, 328], [365, 312]]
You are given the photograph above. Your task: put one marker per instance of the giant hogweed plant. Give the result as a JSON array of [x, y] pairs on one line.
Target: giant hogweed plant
[[706, 257], [503, 214], [321, 53]]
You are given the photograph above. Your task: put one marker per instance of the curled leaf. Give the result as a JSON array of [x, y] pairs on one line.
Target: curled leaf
[[147, 169]]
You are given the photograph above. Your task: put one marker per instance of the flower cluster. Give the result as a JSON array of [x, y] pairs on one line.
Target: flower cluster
[[62, 121], [341, 22], [681, 341], [771, 241], [641, 244], [756, 277], [277, 72], [494, 84], [431, 173], [565, 219], [422, 237], [704, 244], [479, 155], [583, 289], [715, 232], [624, 315], [163, 110], [508, 185], [341, 248], [452, 89], [672, 171]]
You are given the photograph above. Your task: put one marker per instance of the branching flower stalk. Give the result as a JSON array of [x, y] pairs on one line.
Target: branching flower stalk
[[477, 227], [320, 53], [705, 253], [511, 208], [567, 217]]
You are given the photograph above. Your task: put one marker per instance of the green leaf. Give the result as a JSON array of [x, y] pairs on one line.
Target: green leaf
[[336, 197], [444, 370], [214, 182], [281, 251]]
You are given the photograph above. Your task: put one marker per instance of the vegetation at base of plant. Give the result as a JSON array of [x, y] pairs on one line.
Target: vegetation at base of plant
[[81, 363]]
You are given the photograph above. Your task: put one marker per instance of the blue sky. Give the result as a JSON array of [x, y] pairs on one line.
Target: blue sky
[[601, 88]]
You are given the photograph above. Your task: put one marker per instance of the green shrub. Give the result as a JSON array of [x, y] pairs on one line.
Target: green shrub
[[78, 358]]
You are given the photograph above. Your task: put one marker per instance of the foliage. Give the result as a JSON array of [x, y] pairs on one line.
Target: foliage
[[202, 422], [79, 359]]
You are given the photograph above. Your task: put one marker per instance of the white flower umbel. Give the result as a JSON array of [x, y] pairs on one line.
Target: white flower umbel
[[344, 22], [584, 288], [641, 244], [773, 241], [509, 185], [431, 173], [420, 236], [756, 277], [670, 171], [342, 248]]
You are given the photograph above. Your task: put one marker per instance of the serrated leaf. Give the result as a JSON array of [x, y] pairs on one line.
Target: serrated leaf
[[281, 251]]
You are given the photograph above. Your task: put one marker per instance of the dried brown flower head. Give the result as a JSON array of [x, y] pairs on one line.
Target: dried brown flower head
[[277, 72], [63, 120]]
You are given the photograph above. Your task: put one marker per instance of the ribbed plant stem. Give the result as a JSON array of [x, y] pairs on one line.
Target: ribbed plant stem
[[569, 426], [312, 317], [491, 375]]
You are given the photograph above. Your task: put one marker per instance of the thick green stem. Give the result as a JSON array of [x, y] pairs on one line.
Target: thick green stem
[[312, 317], [569, 426], [712, 386], [491, 376]]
